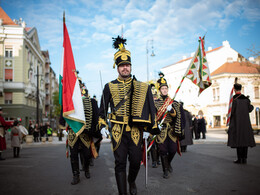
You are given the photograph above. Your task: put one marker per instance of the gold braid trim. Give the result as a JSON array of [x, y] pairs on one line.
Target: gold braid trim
[[135, 135], [117, 135], [139, 97], [162, 136], [173, 138], [118, 92], [86, 140], [177, 127], [101, 121], [88, 112]]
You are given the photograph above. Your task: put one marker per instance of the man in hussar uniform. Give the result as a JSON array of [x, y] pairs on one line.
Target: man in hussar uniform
[[132, 113], [172, 128], [82, 142]]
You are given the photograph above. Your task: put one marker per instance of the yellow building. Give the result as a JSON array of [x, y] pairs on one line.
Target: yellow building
[[22, 71]]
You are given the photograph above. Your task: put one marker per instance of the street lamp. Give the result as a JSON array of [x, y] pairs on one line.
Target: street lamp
[[150, 41]]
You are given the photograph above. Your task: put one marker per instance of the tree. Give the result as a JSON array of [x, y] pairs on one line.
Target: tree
[[56, 105]]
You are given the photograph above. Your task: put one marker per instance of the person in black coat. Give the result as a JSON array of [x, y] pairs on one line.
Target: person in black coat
[[195, 126], [240, 132], [202, 127]]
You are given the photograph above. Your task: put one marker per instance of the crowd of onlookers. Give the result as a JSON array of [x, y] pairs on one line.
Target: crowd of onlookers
[[39, 130], [17, 133]]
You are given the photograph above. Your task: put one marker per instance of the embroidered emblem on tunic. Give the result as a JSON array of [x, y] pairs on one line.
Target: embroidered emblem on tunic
[[72, 138], [135, 134], [85, 139]]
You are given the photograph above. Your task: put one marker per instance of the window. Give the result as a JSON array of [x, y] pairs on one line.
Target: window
[[256, 92], [8, 74], [8, 52], [8, 98], [216, 94]]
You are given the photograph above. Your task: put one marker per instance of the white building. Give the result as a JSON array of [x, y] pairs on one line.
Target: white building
[[206, 102]]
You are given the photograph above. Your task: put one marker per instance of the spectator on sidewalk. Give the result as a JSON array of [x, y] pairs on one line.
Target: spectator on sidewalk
[[202, 127], [16, 138], [187, 131], [36, 133], [240, 132], [31, 128], [49, 130]]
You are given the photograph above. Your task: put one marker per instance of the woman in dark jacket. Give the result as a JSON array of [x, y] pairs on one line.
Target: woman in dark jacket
[[240, 132]]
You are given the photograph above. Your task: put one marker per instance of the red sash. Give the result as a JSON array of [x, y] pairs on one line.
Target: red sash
[[163, 108]]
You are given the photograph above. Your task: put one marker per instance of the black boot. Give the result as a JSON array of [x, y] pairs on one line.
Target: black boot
[[170, 157], [121, 183], [75, 171], [14, 152], [154, 157], [91, 162], [165, 165], [17, 152], [133, 171], [87, 173], [1, 158], [244, 155], [239, 158]]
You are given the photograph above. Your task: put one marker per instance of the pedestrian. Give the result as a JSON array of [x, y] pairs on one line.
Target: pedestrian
[[81, 144], [49, 130], [202, 127], [3, 127], [132, 110], [16, 138], [42, 131], [171, 131], [240, 132], [187, 131], [36, 133], [31, 128]]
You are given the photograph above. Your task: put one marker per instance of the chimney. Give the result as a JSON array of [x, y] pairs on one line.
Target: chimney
[[251, 59], [192, 54], [225, 44], [184, 57], [209, 48]]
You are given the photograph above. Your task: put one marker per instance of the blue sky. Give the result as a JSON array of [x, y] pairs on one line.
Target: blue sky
[[173, 25]]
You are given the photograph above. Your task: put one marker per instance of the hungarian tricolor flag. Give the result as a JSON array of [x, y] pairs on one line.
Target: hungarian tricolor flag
[[198, 71], [69, 91]]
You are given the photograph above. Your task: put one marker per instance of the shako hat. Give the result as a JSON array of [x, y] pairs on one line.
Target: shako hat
[[237, 86], [161, 81], [122, 56]]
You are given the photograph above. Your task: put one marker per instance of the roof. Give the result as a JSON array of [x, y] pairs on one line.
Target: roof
[[237, 67], [192, 57], [6, 19]]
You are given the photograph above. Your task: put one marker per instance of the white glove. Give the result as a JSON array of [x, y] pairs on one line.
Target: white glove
[[169, 108], [104, 132], [64, 132], [160, 127], [146, 135]]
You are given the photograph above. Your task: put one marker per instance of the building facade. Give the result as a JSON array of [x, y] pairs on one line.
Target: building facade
[[22, 71], [212, 102]]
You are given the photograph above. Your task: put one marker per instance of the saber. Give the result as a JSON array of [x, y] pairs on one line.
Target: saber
[[146, 165]]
